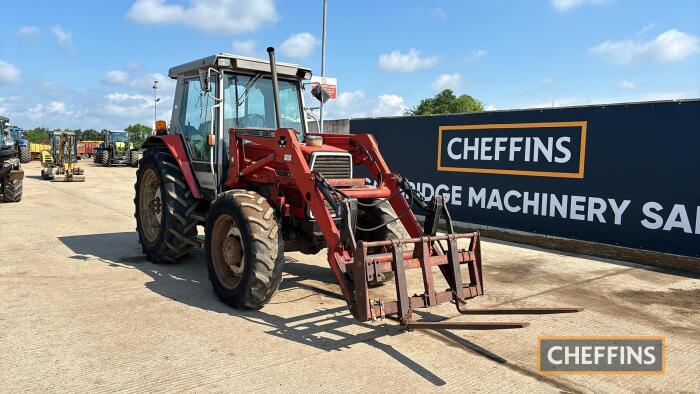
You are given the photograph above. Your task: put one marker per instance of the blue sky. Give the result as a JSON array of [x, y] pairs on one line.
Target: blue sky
[[82, 64]]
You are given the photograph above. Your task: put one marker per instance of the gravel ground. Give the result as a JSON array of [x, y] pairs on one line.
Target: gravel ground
[[82, 310]]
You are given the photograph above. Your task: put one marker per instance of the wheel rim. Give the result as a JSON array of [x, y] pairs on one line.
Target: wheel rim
[[150, 205], [227, 253]]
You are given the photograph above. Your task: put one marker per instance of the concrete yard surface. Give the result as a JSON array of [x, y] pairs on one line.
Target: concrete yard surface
[[82, 310]]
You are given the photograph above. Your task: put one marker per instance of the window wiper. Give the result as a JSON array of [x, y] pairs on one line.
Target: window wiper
[[248, 88]]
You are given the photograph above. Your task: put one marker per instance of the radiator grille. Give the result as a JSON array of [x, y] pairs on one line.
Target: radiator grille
[[332, 165]]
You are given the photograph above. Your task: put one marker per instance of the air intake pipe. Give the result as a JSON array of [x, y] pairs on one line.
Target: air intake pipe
[[275, 86]]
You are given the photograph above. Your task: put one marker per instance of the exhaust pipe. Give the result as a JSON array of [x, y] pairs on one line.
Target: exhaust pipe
[[275, 86]]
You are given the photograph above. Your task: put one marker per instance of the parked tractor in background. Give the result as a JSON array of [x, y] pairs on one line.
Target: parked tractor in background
[[117, 148], [237, 159], [11, 174], [22, 145], [60, 165]]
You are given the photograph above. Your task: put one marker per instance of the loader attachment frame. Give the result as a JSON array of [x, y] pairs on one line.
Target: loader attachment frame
[[351, 262]]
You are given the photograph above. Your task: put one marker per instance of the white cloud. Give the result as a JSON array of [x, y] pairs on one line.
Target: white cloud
[[35, 112], [447, 81], [244, 47], [347, 105], [299, 45], [9, 73], [671, 45], [155, 11], [491, 107], [64, 38], [58, 107], [212, 16], [437, 13], [406, 63], [52, 109], [566, 5], [115, 77], [625, 84], [645, 29], [389, 105], [127, 105], [28, 31], [356, 105], [144, 84], [476, 54], [628, 98], [546, 81]]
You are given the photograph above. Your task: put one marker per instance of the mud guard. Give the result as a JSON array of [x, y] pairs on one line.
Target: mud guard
[[176, 146]]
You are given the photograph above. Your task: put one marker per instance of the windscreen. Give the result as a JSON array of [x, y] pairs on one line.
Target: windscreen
[[249, 103]]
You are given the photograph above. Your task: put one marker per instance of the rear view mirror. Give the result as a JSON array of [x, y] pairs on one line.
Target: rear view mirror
[[320, 94], [204, 80]]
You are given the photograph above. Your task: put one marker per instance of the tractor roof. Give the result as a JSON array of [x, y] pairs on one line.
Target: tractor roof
[[239, 63]]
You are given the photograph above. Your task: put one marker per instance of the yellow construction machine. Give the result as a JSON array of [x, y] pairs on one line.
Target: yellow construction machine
[[60, 165]]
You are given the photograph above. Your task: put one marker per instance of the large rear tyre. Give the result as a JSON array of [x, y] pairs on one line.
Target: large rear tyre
[[164, 208], [25, 155], [245, 249], [12, 192], [106, 159], [370, 217]]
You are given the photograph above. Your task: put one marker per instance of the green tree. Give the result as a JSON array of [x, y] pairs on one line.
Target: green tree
[[39, 134], [446, 102], [138, 133], [90, 135]]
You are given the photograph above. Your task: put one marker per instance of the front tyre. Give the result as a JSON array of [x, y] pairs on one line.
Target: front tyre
[[134, 157], [164, 207], [376, 216], [12, 191], [25, 156], [245, 249], [105, 159]]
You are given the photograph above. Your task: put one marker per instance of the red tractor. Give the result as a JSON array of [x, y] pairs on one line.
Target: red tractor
[[237, 160]]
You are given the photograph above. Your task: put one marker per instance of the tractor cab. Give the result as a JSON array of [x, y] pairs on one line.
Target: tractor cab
[[223, 92]]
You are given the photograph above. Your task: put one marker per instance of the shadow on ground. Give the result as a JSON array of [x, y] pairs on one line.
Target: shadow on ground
[[323, 328]]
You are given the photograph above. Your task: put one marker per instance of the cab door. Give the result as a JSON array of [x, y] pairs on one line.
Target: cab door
[[195, 120]]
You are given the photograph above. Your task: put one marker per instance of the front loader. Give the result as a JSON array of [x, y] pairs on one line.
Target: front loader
[[237, 160]]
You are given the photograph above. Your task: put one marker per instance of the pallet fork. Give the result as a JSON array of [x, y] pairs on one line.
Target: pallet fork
[[429, 251]]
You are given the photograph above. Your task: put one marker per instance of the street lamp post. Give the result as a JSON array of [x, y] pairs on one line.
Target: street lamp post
[[156, 99], [323, 59]]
